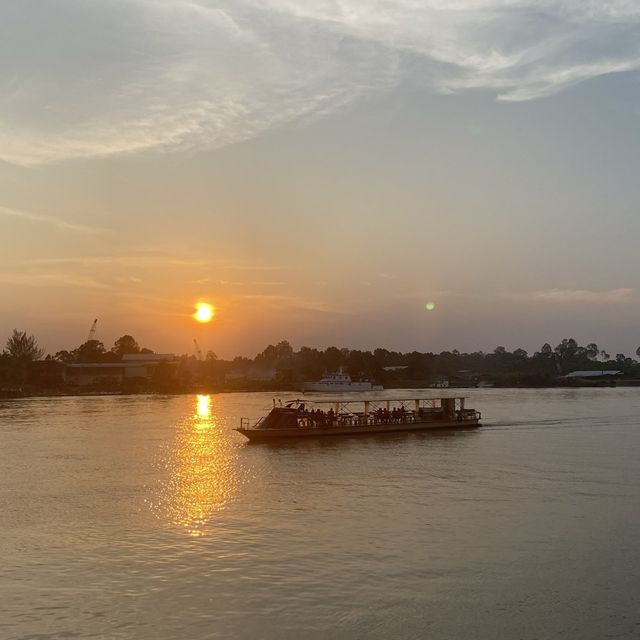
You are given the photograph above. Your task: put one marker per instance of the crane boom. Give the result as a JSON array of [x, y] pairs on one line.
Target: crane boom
[[92, 331]]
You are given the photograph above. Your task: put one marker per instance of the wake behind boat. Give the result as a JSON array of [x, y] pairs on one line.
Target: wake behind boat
[[339, 381], [304, 419]]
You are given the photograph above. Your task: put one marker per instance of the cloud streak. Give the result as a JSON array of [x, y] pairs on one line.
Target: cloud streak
[[159, 260], [53, 221], [85, 79], [53, 280], [581, 295]]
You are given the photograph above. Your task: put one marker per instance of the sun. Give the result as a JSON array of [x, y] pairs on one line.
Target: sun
[[204, 312]]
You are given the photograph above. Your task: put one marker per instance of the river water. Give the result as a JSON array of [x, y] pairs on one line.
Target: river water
[[136, 517]]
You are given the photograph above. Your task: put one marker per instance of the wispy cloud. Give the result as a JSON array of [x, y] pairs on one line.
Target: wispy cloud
[[124, 260], [158, 260], [579, 295], [144, 74], [52, 280], [30, 216], [555, 295]]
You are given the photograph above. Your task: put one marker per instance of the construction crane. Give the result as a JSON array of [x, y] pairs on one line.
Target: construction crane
[[92, 331], [198, 350]]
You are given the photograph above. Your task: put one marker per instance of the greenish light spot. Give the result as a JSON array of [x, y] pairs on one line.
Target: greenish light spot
[[430, 306]]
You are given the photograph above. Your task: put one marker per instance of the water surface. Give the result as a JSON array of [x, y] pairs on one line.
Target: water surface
[[149, 517]]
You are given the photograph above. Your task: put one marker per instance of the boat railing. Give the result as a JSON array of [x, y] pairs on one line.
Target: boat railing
[[378, 417], [357, 420]]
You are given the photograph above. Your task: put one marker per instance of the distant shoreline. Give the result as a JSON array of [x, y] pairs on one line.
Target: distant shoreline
[[96, 393]]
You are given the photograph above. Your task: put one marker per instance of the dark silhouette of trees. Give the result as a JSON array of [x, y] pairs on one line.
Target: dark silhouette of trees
[[20, 350], [125, 345], [95, 351], [280, 367], [64, 356], [23, 347], [89, 351], [592, 351], [162, 378]]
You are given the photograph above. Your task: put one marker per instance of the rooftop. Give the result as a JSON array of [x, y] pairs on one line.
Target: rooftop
[[148, 357], [592, 374]]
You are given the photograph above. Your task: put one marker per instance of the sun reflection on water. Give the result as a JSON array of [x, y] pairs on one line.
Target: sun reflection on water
[[203, 408], [202, 467]]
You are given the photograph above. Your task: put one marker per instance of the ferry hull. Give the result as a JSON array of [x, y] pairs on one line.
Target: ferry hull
[[269, 435]]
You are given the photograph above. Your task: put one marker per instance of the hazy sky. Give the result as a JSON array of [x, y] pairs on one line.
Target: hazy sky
[[321, 170]]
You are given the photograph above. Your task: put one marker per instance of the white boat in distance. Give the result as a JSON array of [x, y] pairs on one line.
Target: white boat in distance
[[339, 381]]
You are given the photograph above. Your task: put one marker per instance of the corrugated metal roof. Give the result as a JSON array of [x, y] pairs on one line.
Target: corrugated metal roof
[[148, 357], [114, 365], [95, 365], [592, 374]]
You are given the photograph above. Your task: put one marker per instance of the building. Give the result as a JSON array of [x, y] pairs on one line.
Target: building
[[592, 375], [46, 373], [138, 366]]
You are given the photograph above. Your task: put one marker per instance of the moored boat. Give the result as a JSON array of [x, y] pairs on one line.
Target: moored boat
[[304, 419], [339, 381]]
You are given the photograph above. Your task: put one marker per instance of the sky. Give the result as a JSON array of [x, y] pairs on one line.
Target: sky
[[320, 172]]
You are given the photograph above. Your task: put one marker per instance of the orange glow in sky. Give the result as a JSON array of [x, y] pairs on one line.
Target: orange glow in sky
[[204, 312]]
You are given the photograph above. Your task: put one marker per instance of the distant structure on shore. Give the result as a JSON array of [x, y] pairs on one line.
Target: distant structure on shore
[[603, 374], [338, 381], [132, 367]]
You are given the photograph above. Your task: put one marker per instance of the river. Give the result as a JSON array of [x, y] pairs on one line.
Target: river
[[135, 517]]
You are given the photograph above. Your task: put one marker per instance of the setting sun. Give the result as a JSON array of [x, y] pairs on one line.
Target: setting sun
[[204, 312]]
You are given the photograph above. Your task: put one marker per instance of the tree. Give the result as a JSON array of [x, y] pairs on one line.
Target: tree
[[163, 377], [124, 345], [332, 359], [90, 351], [546, 351], [284, 351], [567, 349], [23, 347], [593, 351]]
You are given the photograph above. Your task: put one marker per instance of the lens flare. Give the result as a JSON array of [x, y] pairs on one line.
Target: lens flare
[[430, 306], [204, 312]]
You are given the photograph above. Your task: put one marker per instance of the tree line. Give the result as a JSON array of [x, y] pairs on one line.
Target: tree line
[[279, 366], [415, 368]]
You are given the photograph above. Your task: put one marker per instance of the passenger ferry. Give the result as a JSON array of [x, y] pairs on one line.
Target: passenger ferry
[[303, 419], [339, 381]]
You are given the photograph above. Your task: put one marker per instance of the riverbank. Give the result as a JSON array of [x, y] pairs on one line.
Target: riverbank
[[26, 392]]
